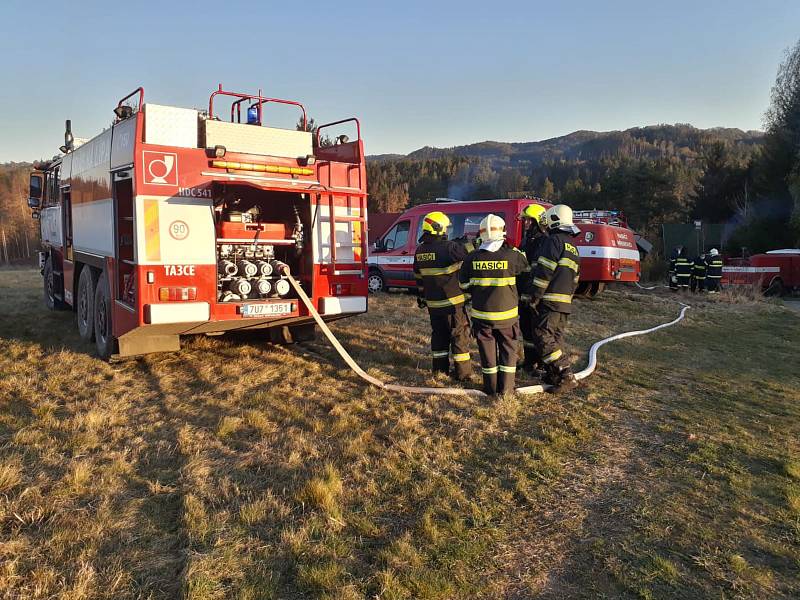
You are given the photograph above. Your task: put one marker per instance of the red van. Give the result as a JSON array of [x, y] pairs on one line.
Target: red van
[[608, 251]]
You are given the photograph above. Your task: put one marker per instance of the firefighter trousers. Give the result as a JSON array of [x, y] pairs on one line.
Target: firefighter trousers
[[549, 331], [498, 350], [712, 284], [450, 335], [527, 322]]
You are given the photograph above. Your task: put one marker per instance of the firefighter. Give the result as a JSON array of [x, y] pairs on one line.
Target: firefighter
[[714, 272], [555, 277], [683, 270], [699, 274], [436, 264], [673, 279], [532, 217], [490, 273]]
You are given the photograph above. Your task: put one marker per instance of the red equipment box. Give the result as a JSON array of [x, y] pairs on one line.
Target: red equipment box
[[250, 232]]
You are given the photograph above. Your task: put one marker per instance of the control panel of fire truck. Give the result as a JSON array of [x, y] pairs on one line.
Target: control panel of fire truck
[[257, 247]]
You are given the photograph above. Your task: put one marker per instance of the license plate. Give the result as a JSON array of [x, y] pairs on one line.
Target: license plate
[[266, 310]]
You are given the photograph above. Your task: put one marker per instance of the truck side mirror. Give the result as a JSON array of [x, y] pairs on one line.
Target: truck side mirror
[[379, 245], [35, 195]]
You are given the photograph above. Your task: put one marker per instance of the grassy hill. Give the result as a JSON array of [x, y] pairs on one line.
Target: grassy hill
[[237, 469]]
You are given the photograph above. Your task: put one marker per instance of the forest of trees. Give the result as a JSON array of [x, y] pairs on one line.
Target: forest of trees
[[19, 238], [657, 174]]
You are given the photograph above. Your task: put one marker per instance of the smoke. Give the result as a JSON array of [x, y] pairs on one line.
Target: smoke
[[764, 225], [472, 181]]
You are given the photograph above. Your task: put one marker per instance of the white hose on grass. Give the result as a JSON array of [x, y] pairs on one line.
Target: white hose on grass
[[531, 389]]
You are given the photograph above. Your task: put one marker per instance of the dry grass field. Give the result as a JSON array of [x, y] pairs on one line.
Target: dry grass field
[[239, 469]]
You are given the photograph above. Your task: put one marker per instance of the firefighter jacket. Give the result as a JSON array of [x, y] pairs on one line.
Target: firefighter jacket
[[699, 268], [683, 270], [531, 246], [714, 270], [491, 278], [436, 264], [556, 273]]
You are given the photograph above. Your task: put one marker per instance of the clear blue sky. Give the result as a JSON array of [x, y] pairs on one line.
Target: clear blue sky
[[416, 73]]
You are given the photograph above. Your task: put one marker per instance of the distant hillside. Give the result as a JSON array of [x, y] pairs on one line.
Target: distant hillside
[[652, 141], [655, 173]]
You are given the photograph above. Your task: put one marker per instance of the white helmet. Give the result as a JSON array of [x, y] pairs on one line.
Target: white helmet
[[714, 252], [492, 228], [560, 217]]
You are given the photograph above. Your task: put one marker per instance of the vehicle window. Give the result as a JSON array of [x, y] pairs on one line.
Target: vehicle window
[[397, 236], [52, 187]]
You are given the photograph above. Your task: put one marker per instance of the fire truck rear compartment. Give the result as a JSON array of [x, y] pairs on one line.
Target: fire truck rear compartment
[[259, 234]]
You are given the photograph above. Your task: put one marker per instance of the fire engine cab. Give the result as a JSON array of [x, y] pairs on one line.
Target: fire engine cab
[[607, 247], [180, 221]]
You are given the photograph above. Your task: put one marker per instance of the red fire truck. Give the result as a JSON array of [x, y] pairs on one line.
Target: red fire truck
[[607, 246], [178, 221], [776, 272]]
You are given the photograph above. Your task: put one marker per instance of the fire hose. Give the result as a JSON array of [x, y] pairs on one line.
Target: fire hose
[[531, 389]]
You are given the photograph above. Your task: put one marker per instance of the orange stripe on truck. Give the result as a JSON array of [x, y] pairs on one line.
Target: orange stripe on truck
[[152, 237]]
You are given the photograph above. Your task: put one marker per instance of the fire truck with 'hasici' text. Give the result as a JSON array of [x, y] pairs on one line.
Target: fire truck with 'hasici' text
[[179, 221]]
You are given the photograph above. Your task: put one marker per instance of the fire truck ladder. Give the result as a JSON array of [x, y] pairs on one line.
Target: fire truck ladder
[[358, 223]]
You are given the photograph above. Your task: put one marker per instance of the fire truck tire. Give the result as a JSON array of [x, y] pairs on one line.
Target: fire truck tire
[[103, 338], [84, 303], [303, 333], [375, 281], [50, 300], [597, 288], [775, 288]]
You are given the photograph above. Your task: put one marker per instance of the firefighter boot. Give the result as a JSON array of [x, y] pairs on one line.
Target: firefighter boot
[[533, 370], [561, 378], [462, 370], [441, 363], [490, 381]]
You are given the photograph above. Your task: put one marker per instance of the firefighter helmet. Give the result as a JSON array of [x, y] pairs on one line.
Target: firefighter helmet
[[714, 252], [436, 222], [535, 212], [559, 217], [492, 228]]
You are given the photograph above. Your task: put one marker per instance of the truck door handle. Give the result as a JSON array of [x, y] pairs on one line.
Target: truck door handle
[[404, 252]]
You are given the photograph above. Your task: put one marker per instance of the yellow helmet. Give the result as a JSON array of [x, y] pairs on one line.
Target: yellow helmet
[[533, 211], [436, 222]]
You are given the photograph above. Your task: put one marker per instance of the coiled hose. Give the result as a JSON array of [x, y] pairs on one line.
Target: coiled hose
[[531, 389]]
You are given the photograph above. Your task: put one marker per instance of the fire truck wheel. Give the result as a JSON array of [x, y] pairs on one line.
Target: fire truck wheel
[[303, 333], [104, 339], [376, 282], [597, 287], [50, 300], [775, 288], [84, 305]]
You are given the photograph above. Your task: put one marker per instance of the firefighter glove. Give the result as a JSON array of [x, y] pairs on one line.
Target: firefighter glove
[[421, 302]]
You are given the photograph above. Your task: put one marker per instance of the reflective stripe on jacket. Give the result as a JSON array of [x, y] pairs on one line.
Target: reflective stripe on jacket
[[491, 279], [556, 273], [714, 270], [436, 265]]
